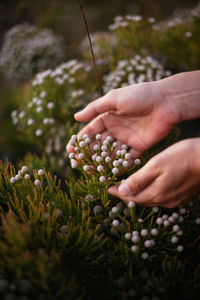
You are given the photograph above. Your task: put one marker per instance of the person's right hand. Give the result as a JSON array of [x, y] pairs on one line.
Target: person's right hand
[[137, 115]]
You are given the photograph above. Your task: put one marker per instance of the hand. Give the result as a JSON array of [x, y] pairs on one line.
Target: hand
[[168, 179], [137, 115]]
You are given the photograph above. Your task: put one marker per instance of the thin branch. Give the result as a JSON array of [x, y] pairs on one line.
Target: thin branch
[[92, 52]]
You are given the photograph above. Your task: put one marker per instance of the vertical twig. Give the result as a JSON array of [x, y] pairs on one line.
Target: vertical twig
[[92, 52]]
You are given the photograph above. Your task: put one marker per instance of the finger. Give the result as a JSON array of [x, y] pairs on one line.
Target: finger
[[135, 153], [95, 126], [140, 199], [137, 182], [99, 106]]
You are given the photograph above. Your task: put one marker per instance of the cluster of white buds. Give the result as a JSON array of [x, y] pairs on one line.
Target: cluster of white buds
[[23, 174], [127, 21], [104, 158], [138, 69]]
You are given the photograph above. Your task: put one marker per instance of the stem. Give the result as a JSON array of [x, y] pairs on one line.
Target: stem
[[91, 48]]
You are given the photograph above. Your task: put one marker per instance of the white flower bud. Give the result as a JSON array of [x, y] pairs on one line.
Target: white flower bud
[[144, 232], [105, 143], [154, 231], [74, 137], [115, 171], [39, 109], [40, 172], [166, 223], [123, 152], [180, 232], [99, 159], [86, 168], [24, 169], [118, 152], [124, 147], [87, 140], [107, 159], [174, 239], [135, 232], [12, 180], [176, 228], [30, 122], [37, 182], [137, 161], [120, 160], [38, 132], [71, 155], [134, 248], [50, 105], [165, 217], [98, 137], [98, 209], [171, 219], [109, 138], [43, 94], [94, 156], [148, 243], [104, 154], [181, 219], [115, 223], [197, 221], [82, 144], [144, 255], [17, 177], [159, 221], [127, 156], [135, 238], [155, 209], [125, 164], [80, 155], [76, 149], [27, 176], [74, 165], [180, 248], [96, 147], [175, 215], [115, 144], [102, 179], [116, 163], [100, 168], [104, 148], [115, 210], [131, 204], [182, 210], [85, 136], [127, 236]]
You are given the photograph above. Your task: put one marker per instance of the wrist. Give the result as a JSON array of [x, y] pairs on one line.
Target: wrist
[[181, 94]]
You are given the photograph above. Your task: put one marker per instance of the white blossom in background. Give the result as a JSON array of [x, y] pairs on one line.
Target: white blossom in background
[[27, 49], [138, 69]]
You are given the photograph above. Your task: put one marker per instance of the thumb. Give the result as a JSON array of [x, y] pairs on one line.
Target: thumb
[[99, 106], [137, 182]]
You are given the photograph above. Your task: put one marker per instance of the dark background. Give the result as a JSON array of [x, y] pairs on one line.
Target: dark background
[[64, 16]]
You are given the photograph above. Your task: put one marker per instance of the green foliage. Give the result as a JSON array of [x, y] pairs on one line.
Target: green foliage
[[68, 238]]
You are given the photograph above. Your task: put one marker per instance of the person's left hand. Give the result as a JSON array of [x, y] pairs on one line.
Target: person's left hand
[[168, 179]]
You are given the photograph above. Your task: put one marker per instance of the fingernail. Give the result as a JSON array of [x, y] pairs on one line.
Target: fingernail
[[124, 189], [77, 113]]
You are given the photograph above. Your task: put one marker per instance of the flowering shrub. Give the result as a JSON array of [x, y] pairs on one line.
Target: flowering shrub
[[54, 96], [138, 69], [27, 49]]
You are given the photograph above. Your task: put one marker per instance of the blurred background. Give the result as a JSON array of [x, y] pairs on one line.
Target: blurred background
[[64, 19], [64, 16]]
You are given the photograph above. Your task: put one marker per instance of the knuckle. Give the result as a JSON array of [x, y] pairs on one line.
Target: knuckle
[[112, 93]]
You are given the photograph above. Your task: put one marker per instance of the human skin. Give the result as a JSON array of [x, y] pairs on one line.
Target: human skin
[[140, 116]]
